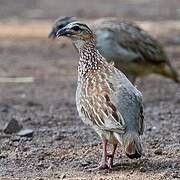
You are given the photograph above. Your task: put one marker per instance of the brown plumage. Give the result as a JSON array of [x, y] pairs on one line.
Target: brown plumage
[[106, 100]]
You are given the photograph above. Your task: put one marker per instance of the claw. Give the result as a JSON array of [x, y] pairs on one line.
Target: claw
[[102, 166], [111, 156], [110, 161], [107, 159]]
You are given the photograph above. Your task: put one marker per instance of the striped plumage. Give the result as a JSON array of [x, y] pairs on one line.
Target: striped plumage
[[132, 50], [106, 100]]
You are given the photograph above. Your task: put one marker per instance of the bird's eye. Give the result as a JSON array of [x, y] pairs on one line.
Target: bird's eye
[[60, 26], [76, 28]]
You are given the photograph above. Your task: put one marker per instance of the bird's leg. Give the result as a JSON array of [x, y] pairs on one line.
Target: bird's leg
[[111, 156], [103, 163], [104, 156]]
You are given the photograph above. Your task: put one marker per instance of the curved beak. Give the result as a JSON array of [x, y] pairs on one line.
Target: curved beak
[[52, 34], [62, 32]]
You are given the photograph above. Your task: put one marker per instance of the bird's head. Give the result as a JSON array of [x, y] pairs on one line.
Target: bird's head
[[78, 32], [59, 24]]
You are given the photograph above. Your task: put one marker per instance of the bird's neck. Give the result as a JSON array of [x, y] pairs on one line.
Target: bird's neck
[[90, 58]]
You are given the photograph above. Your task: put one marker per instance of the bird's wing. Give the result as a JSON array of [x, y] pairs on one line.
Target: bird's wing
[[132, 38], [128, 101], [101, 104]]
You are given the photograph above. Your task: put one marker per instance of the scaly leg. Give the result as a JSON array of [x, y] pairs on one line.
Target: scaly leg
[[111, 156], [103, 163]]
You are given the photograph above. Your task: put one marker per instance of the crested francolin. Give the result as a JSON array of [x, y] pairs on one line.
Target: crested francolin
[[133, 51], [106, 100]]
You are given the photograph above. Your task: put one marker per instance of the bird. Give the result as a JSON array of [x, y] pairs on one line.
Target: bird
[[106, 100], [131, 49]]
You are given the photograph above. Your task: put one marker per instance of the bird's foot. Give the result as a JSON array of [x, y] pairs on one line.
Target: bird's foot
[[110, 160], [102, 166]]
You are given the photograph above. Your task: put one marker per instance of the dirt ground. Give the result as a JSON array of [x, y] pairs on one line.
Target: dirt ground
[[62, 147]]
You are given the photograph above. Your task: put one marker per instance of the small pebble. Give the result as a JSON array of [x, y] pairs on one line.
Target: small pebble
[[63, 176], [101, 178], [59, 137], [16, 138], [175, 175], [131, 172], [158, 151], [149, 129], [12, 126], [2, 156], [85, 163], [25, 132], [142, 169], [40, 164]]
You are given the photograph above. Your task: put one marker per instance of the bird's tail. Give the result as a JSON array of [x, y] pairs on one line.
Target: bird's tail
[[132, 145], [169, 71]]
